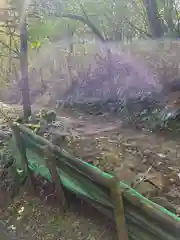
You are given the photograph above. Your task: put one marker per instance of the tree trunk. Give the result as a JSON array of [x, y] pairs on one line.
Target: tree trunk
[[24, 70], [153, 17]]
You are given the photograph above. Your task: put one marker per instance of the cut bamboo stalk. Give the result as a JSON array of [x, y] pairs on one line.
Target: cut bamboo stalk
[[56, 179], [22, 151], [118, 209]]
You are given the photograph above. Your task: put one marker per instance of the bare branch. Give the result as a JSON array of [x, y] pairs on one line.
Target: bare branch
[[143, 12], [138, 29], [7, 46], [6, 56], [86, 21], [14, 40], [15, 34]]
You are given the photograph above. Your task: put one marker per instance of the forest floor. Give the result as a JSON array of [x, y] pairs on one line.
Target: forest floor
[[106, 143]]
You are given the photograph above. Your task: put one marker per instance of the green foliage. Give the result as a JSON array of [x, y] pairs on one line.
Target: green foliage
[[116, 20], [47, 116], [41, 29]]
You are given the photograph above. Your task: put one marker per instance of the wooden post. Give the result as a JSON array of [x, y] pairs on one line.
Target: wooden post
[[56, 180], [22, 151], [117, 202]]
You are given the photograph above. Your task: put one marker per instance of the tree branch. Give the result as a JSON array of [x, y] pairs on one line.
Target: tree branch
[[7, 46], [138, 29], [86, 21]]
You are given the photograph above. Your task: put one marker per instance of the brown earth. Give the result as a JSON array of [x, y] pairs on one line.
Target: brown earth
[[130, 153], [147, 161]]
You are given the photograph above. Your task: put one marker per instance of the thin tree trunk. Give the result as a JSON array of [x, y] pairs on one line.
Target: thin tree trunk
[[69, 59], [24, 70], [153, 17]]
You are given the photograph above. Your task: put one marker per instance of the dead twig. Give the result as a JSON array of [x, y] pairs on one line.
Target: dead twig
[[137, 182]]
